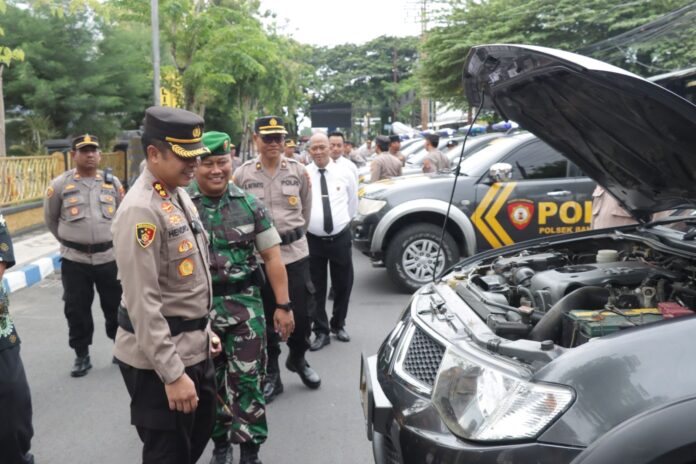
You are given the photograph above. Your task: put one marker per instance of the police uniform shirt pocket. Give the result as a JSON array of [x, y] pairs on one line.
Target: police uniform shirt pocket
[[107, 203], [291, 191], [184, 260], [73, 206]]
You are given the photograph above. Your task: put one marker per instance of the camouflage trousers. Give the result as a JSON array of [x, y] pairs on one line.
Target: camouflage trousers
[[240, 368]]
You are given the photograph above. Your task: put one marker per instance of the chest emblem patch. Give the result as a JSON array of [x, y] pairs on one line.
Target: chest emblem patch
[[520, 213], [49, 192], [145, 233], [185, 245], [186, 267], [167, 207], [74, 210], [72, 200], [293, 200]]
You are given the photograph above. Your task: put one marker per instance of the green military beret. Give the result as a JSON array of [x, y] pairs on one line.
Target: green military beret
[[217, 142]]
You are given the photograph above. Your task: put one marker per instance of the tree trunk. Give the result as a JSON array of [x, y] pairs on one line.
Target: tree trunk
[[3, 151]]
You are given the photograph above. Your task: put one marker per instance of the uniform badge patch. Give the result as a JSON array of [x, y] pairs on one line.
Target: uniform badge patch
[[70, 187], [72, 200], [74, 211], [185, 245], [4, 247], [520, 213], [145, 233], [77, 177], [186, 267], [49, 192], [167, 207], [293, 200], [107, 186], [159, 188], [110, 209], [175, 219]]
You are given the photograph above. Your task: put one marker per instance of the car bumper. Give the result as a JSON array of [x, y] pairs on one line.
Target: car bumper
[[363, 232], [402, 435]]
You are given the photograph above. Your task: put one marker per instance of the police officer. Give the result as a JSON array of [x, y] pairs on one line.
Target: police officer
[[395, 148], [384, 165], [290, 147], [163, 344], [607, 212], [283, 186], [15, 399], [434, 161], [79, 208], [238, 225]]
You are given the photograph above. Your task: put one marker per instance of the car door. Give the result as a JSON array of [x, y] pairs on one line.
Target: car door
[[539, 199]]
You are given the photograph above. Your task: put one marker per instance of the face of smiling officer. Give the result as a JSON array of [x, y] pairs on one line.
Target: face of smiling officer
[[213, 174], [169, 168]]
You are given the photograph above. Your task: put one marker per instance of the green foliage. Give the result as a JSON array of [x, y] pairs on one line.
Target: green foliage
[[566, 24]]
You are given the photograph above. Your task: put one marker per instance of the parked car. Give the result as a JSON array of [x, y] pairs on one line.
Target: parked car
[[399, 220], [567, 349]]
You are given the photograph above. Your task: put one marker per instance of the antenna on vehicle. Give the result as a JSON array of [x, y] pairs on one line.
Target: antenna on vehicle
[[454, 186]]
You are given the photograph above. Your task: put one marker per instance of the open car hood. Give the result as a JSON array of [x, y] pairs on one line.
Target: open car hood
[[633, 137]]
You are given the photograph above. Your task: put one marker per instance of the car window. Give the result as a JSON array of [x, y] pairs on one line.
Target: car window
[[537, 160], [480, 162]]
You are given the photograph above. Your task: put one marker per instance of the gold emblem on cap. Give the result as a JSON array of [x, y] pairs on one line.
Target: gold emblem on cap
[[197, 132], [87, 139], [273, 122]]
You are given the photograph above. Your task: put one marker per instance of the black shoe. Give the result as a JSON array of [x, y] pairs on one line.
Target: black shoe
[[81, 366], [320, 341], [332, 294], [222, 454], [307, 374], [342, 335], [272, 387], [249, 453]]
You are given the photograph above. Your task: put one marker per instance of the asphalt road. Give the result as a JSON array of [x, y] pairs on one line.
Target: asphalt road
[[86, 420]]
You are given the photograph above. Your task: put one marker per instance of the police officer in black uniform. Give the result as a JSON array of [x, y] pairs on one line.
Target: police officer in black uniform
[[15, 399]]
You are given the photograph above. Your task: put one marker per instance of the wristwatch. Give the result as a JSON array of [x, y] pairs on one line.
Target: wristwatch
[[286, 306]]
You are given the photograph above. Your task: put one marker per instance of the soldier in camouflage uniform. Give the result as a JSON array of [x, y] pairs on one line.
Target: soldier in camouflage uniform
[[238, 225], [15, 400]]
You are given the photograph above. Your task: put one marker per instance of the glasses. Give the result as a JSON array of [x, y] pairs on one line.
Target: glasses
[[273, 138]]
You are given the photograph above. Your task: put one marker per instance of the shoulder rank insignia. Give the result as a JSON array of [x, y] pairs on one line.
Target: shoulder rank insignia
[[145, 233], [159, 188], [167, 207], [258, 166], [77, 176], [283, 164], [49, 192], [186, 267]]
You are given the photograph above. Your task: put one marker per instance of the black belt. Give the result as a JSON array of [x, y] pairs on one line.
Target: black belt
[[292, 236], [229, 288], [177, 324], [88, 247], [331, 238]]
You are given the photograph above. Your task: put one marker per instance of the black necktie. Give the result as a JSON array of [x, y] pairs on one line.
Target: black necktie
[[328, 220]]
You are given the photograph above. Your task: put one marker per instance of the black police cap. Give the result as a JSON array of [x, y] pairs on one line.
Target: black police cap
[[266, 125], [85, 140], [182, 129]]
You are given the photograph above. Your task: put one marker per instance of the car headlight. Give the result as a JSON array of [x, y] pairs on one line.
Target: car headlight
[[486, 400], [368, 206]]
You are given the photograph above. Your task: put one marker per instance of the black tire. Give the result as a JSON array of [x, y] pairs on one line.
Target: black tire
[[414, 239]]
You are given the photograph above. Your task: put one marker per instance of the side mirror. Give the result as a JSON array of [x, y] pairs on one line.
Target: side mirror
[[500, 172]]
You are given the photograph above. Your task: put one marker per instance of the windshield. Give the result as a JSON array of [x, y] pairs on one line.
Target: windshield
[[478, 164]]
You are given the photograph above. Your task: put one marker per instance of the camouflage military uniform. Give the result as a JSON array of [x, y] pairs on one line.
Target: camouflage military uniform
[[15, 400], [237, 224]]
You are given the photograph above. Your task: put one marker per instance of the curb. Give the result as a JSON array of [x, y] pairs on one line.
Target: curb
[[31, 274]]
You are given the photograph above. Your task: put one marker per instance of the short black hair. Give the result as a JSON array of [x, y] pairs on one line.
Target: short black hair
[[434, 139], [382, 143], [349, 142], [338, 134], [159, 144]]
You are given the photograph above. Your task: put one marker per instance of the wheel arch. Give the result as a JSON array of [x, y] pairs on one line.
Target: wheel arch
[[428, 211], [663, 435]]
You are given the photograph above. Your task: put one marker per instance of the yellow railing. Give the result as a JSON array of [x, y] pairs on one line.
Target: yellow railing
[[24, 179]]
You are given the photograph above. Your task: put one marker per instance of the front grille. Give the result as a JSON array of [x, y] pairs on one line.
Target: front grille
[[423, 357]]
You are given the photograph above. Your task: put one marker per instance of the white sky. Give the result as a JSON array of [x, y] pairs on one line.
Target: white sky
[[337, 22]]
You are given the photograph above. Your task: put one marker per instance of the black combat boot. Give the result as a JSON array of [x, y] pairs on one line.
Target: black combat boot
[[82, 363], [249, 453], [222, 453], [272, 386]]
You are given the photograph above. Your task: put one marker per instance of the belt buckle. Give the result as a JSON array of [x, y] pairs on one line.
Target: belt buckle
[[89, 249]]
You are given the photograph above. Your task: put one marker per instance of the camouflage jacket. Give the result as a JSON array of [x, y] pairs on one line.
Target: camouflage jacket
[[237, 224], [8, 333]]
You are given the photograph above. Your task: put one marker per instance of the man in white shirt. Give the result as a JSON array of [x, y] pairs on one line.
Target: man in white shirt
[[335, 202], [336, 141]]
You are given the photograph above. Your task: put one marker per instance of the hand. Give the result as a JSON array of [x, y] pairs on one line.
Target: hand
[[284, 323], [182, 395], [215, 345]]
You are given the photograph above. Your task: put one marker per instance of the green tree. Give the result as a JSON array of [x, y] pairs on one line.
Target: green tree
[[7, 56], [566, 24]]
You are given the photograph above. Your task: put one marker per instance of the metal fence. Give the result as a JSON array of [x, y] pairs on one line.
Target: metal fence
[[24, 179]]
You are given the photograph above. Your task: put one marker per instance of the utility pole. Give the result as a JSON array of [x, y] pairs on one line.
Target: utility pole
[[154, 19], [425, 102]]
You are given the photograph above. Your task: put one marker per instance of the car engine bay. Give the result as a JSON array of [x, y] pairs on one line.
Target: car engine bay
[[571, 295]]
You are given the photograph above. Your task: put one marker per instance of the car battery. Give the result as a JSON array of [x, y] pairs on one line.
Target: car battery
[[672, 309], [579, 326]]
